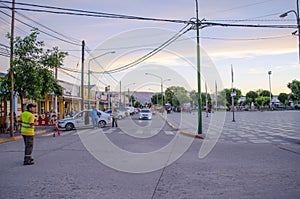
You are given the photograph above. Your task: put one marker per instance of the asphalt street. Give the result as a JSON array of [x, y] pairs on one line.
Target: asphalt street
[[258, 156]]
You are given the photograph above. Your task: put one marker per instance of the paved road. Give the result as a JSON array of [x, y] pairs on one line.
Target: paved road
[[262, 165]]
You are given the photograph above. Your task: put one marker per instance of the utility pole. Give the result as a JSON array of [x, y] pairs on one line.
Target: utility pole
[[82, 75], [233, 94], [55, 98], [206, 99], [269, 73], [120, 94], [12, 103], [198, 73]]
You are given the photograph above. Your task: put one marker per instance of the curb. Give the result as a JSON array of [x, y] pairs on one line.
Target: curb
[[9, 139], [192, 135], [182, 132]]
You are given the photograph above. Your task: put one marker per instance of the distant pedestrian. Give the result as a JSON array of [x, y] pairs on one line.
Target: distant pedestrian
[[27, 131], [115, 118], [95, 117]]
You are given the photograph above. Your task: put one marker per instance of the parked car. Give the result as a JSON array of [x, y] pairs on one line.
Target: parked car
[[84, 119], [131, 110], [145, 114], [123, 109], [120, 114]]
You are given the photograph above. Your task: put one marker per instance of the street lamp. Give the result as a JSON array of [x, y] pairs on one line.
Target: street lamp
[[233, 94], [128, 92], [89, 74], [161, 87], [298, 24], [269, 73], [156, 95]]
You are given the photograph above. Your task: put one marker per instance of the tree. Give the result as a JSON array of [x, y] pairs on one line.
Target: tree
[[194, 98], [227, 92], [33, 69], [156, 99], [137, 104], [177, 95], [262, 101], [283, 98], [203, 99], [295, 88], [250, 97], [264, 93]]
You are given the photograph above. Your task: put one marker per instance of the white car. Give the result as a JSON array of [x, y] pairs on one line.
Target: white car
[[84, 119], [131, 110], [145, 114]]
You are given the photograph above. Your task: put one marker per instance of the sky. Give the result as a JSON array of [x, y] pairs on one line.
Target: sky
[[113, 43]]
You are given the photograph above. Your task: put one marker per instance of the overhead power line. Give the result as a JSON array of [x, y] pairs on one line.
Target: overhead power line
[[151, 53], [50, 29], [207, 23], [68, 11], [76, 44]]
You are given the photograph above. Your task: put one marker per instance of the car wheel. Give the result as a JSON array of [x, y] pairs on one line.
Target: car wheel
[[69, 126], [102, 124]]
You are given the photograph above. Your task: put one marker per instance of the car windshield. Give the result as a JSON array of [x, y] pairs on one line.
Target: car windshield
[[145, 111]]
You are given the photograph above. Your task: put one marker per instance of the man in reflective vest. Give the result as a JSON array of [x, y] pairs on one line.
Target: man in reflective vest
[[27, 131]]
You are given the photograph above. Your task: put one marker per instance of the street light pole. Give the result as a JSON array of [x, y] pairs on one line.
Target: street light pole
[[89, 74], [12, 95], [198, 73], [298, 24], [128, 92], [270, 72], [161, 88]]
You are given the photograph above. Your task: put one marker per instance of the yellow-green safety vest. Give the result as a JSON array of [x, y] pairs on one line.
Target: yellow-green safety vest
[[26, 128]]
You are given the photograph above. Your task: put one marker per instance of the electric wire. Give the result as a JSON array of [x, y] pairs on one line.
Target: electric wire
[[72, 41], [60, 34], [88, 13], [68, 74], [151, 53], [53, 36]]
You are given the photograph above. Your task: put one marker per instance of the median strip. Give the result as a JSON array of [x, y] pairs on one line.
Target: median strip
[[182, 132], [192, 135]]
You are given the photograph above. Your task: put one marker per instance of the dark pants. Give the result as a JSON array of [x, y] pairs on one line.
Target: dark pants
[[28, 141], [114, 122]]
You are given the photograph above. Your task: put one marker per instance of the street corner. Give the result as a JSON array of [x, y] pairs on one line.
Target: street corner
[[9, 139], [172, 125], [201, 136]]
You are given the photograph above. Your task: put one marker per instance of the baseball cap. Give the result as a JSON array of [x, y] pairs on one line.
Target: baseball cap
[[30, 106]]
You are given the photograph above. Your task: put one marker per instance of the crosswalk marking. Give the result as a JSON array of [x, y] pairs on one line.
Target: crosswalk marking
[[169, 132]]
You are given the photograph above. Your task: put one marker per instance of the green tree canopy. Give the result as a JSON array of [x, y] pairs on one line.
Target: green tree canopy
[[283, 98], [33, 68], [295, 88], [227, 92], [250, 97], [262, 101], [264, 93], [177, 95], [203, 98]]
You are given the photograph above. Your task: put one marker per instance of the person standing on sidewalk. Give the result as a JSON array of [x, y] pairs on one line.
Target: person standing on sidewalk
[[27, 131], [114, 117], [95, 117]]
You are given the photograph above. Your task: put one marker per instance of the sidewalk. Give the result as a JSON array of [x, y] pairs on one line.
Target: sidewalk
[[5, 137]]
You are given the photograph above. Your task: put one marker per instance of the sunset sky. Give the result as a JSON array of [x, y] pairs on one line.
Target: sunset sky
[[251, 51]]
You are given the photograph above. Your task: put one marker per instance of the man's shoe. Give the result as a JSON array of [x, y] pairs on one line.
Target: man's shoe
[[28, 163]]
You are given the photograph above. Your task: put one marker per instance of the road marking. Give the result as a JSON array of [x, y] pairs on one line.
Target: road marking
[[169, 132]]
